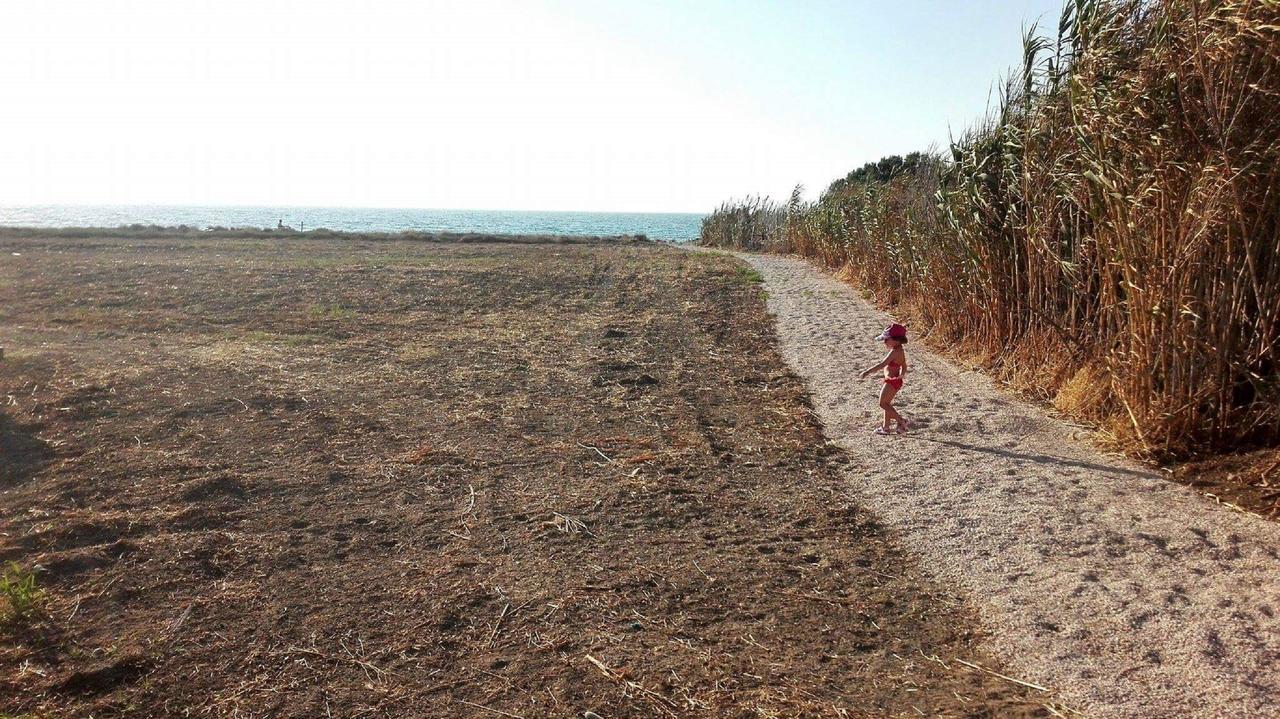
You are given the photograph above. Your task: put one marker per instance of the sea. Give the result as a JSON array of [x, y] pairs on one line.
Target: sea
[[675, 227]]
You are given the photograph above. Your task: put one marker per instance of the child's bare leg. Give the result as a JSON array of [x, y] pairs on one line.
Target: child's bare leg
[[886, 403]]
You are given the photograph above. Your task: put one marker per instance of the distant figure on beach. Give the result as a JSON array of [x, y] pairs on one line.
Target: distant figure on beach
[[895, 366]]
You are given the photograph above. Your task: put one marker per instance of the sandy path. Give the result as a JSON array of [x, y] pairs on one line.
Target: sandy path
[[1131, 596]]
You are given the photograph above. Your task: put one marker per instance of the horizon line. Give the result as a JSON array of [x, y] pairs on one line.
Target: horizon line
[[4, 206]]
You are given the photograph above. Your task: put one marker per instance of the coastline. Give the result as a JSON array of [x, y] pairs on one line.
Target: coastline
[[288, 233], [671, 226]]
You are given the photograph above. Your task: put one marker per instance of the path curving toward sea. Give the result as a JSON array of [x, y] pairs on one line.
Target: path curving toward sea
[[1128, 595]]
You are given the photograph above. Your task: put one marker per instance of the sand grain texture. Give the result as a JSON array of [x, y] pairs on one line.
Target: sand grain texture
[[1129, 595]]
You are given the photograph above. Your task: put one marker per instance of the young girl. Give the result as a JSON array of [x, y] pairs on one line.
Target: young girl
[[895, 366]]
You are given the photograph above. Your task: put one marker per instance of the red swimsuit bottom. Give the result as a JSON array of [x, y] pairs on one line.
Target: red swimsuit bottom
[[894, 382]]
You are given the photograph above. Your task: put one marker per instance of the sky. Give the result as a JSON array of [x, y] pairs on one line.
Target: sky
[[588, 105]]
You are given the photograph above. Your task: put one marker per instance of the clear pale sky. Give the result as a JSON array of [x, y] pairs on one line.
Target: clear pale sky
[[663, 105]]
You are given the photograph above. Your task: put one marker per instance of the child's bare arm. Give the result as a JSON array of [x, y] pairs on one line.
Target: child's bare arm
[[878, 366]]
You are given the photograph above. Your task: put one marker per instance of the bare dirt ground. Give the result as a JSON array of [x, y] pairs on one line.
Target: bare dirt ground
[[352, 478], [1249, 481], [1130, 595]]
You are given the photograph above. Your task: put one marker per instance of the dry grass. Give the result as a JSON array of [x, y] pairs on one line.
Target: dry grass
[[1113, 224], [505, 461]]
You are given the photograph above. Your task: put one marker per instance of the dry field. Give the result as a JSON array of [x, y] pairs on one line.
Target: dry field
[[357, 478]]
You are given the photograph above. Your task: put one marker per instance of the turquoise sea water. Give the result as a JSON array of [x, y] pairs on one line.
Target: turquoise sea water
[[657, 226]]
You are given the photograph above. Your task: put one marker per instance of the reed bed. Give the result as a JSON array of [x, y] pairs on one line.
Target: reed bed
[[752, 223], [1107, 238]]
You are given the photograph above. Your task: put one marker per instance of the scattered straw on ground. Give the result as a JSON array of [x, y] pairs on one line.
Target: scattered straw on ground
[[342, 478]]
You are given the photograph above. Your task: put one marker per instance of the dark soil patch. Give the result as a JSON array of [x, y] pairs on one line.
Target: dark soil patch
[[1249, 481], [407, 479]]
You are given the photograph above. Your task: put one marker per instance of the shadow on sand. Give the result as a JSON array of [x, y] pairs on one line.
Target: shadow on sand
[[1043, 458]]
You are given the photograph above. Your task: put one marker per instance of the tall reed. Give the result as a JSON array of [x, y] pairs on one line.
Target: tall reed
[[1108, 237], [753, 223]]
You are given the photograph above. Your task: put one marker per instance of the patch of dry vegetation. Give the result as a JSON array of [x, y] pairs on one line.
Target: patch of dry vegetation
[[523, 480]]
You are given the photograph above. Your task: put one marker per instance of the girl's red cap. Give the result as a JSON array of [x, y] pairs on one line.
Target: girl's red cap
[[894, 331]]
